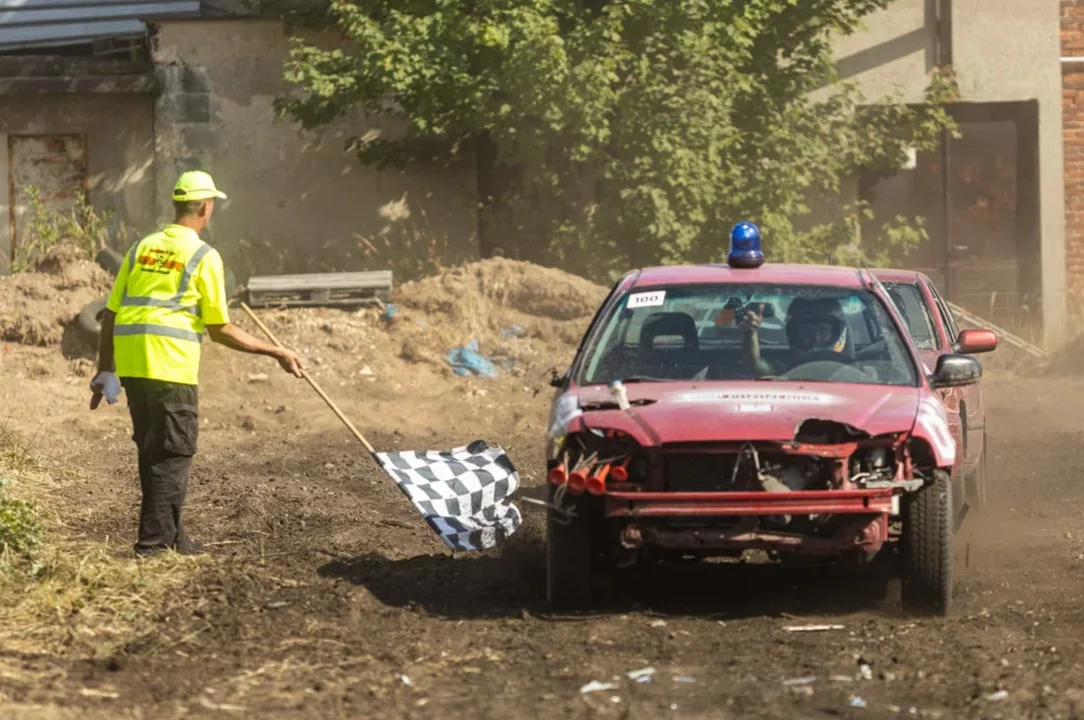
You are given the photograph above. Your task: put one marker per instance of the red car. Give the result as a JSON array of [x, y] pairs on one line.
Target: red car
[[715, 409], [934, 333]]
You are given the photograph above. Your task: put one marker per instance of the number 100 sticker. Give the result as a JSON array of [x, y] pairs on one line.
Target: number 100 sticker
[[646, 299]]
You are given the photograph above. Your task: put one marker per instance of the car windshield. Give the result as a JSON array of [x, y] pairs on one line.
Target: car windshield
[[694, 333], [908, 298]]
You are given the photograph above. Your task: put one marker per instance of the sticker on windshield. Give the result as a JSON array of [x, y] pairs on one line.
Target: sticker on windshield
[[646, 299]]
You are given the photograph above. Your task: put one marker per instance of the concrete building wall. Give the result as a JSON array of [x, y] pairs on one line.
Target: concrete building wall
[[120, 151], [297, 200], [995, 65], [1004, 50]]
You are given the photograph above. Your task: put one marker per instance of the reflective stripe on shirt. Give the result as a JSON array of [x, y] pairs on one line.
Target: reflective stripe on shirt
[[162, 330]]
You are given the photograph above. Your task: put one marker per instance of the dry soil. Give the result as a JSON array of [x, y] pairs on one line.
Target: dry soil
[[368, 616]]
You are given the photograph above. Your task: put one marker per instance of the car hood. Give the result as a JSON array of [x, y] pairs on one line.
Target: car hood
[[720, 412]]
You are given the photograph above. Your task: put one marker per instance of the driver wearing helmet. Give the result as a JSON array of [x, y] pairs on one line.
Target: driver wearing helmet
[[816, 330]]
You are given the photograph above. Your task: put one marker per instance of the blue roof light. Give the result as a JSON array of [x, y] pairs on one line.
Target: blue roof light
[[745, 250]]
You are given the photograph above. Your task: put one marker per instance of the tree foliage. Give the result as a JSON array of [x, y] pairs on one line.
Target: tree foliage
[[641, 130]]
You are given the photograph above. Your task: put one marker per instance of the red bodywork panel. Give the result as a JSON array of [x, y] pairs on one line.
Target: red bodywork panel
[[969, 398], [684, 412], [806, 502]]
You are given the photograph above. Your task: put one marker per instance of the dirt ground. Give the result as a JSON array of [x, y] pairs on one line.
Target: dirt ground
[[326, 596]]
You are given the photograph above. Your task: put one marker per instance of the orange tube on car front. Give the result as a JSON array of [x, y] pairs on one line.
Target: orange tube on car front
[[577, 481], [620, 473], [558, 475], [596, 484]]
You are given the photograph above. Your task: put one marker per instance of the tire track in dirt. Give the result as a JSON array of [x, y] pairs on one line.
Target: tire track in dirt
[[364, 593]]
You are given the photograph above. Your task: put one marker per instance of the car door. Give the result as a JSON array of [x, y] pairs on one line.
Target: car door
[[971, 400]]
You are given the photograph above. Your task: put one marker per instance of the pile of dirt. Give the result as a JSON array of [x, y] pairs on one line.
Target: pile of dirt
[[470, 294], [524, 318], [37, 306]]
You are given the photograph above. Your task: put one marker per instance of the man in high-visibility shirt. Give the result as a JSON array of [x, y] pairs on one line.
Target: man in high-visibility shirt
[[169, 289]]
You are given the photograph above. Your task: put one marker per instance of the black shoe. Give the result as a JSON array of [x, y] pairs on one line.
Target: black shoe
[[146, 552], [190, 547]]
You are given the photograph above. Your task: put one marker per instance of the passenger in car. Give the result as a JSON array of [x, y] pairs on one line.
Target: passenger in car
[[815, 328]]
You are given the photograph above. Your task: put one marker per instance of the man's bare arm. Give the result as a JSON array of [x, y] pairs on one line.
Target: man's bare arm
[[235, 338]]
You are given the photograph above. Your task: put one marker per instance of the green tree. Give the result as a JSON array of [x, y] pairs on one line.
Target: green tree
[[617, 132]]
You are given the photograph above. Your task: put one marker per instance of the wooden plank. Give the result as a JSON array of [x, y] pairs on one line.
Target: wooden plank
[[272, 303], [376, 279], [1004, 334], [317, 294]]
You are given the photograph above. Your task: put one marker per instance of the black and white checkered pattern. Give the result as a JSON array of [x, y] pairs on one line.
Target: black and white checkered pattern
[[464, 494]]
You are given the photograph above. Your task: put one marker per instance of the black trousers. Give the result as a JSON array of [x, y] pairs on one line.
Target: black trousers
[[165, 427]]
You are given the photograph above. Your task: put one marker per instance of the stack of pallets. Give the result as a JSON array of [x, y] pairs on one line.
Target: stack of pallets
[[344, 288]]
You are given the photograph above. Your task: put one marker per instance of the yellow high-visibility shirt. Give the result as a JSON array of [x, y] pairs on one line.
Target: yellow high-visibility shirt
[[169, 288]]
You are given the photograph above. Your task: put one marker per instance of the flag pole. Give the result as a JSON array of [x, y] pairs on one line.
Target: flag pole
[[335, 408]]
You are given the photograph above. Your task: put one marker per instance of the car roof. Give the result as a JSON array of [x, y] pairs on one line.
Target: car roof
[[897, 275], [827, 275]]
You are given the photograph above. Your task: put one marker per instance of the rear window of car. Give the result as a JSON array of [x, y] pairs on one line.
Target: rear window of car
[[911, 303]]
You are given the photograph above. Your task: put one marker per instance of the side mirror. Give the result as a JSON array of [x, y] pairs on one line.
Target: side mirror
[[971, 342], [955, 371]]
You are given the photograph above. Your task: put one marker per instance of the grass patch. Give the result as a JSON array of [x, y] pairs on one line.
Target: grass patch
[[21, 530], [80, 598], [60, 597]]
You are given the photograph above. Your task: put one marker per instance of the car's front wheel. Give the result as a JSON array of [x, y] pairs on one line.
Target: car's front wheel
[[573, 548], [926, 544]]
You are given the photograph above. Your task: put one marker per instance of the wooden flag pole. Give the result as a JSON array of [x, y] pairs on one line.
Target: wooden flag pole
[[331, 403]]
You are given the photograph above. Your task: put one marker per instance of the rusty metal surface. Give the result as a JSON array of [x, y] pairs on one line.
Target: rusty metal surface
[[54, 165], [723, 504], [55, 23], [867, 534]]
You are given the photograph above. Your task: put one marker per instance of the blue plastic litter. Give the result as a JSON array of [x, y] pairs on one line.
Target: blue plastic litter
[[468, 361], [516, 331], [390, 312]]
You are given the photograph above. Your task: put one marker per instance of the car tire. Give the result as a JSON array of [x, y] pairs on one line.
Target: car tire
[[926, 545], [109, 260], [976, 483], [89, 321], [570, 556]]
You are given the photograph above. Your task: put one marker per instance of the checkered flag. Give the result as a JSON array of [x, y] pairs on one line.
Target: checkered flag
[[463, 493]]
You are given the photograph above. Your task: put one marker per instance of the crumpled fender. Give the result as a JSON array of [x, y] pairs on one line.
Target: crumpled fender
[[932, 426], [566, 418]]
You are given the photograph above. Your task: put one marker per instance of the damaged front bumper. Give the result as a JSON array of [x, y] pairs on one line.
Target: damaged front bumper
[[647, 519]]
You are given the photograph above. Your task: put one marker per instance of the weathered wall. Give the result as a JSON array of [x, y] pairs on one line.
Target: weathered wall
[[994, 65], [1072, 47], [297, 200], [893, 54], [120, 150], [896, 52]]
